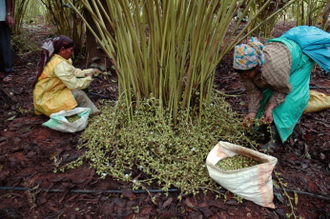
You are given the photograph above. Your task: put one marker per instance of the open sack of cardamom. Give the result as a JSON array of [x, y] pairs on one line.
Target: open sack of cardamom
[[243, 171], [69, 121]]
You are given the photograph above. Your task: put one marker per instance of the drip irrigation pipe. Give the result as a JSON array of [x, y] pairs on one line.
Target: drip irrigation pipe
[[136, 191], [85, 191], [309, 194]]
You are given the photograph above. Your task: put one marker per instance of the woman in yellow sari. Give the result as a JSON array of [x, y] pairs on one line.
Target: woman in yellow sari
[[59, 85]]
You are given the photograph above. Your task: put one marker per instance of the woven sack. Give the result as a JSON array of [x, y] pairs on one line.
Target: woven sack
[[59, 122], [251, 183]]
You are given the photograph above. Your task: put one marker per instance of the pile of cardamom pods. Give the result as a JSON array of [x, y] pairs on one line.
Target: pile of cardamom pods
[[236, 162]]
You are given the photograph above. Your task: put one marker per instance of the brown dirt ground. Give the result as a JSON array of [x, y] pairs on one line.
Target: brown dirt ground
[[30, 189]]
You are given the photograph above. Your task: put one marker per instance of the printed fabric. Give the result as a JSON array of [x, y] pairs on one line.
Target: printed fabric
[[247, 56]]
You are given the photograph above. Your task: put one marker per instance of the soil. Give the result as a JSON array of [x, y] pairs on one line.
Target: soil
[[29, 188]]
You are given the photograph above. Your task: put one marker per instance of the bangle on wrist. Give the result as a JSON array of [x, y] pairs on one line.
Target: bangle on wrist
[[8, 14]]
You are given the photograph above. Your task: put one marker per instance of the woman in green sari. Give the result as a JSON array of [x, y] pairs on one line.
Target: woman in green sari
[[276, 77]]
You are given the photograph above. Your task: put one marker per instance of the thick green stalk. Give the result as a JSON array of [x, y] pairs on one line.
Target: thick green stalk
[[166, 49]]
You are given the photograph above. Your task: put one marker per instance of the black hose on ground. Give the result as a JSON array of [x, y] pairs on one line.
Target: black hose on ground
[[84, 191], [135, 191]]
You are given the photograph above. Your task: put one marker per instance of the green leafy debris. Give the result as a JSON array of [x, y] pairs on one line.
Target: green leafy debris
[[151, 150]]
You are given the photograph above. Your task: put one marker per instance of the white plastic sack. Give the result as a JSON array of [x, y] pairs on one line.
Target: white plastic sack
[[58, 121], [251, 183]]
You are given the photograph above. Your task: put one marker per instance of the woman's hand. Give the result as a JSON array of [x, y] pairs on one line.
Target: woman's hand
[[248, 120], [268, 114], [268, 117], [96, 72], [89, 74]]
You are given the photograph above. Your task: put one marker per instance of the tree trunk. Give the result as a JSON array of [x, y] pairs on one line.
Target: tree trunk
[[325, 16], [95, 56]]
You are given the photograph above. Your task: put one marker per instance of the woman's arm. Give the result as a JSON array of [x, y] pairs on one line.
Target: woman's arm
[[268, 114], [65, 72], [254, 95], [86, 72]]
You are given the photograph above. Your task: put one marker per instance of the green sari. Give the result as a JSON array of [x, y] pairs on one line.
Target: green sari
[[287, 114]]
